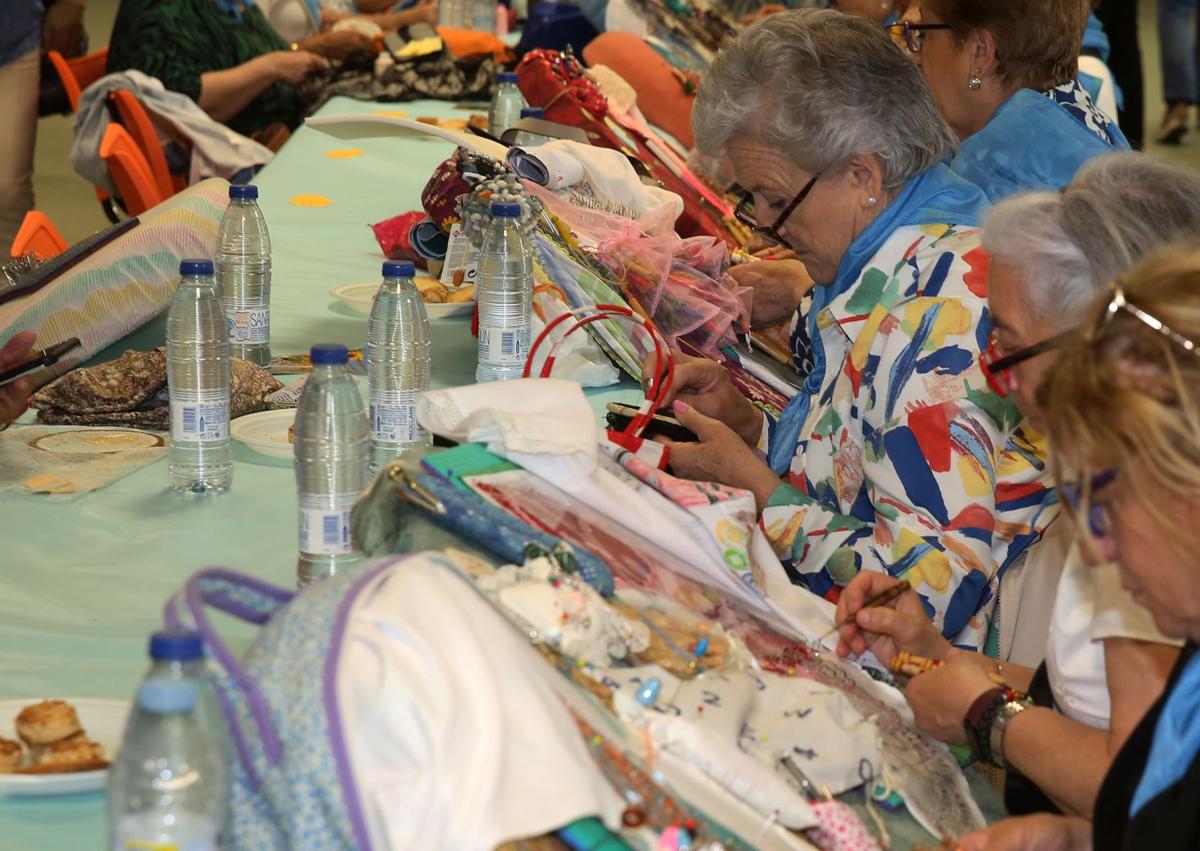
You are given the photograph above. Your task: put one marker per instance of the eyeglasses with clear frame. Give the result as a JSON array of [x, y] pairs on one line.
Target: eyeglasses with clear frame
[[1118, 302], [912, 36], [745, 212]]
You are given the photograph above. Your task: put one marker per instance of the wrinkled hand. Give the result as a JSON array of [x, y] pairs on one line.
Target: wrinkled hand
[[778, 286], [293, 66], [902, 624], [337, 45], [14, 396], [62, 29], [705, 386], [941, 698], [1042, 832], [720, 456]]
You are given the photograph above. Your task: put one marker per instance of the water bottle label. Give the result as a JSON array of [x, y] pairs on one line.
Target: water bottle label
[[503, 346], [461, 265], [394, 417], [249, 324], [199, 417], [325, 525]]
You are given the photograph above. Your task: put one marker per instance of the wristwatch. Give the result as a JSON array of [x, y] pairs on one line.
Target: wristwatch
[[1010, 709]]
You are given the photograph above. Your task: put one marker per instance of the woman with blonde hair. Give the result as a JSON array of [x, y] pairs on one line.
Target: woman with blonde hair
[[1122, 404]]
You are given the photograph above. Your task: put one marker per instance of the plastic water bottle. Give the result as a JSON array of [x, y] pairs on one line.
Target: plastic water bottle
[[331, 463], [506, 104], [525, 138], [483, 15], [201, 459], [397, 365], [505, 295], [169, 786], [453, 14], [244, 275]]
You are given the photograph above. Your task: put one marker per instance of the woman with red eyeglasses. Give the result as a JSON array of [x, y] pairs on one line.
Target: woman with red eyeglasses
[[1105, 661], [1121, 406]]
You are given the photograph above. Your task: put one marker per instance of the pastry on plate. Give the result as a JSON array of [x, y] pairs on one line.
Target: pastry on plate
[[10, 756], [46, 722], [75, 754]]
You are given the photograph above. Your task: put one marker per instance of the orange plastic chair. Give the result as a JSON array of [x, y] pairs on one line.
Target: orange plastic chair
[[129, 170], [39, 235], [77, 74], [136, 121]]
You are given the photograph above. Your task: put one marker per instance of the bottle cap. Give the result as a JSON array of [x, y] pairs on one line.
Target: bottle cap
[[195, 267], [506, 210], [176, 644], [398, 269], [243, 190], [533, 112], [506, 77], [329, 354], [164, 697]]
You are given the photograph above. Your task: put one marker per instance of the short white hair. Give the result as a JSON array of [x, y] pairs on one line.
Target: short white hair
[[822, 87], [1067, 245]]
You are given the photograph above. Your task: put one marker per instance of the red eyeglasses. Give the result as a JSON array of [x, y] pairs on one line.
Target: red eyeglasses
[[997, 368]]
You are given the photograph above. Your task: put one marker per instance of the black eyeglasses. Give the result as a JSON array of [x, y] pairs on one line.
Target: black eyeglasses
[[912, 36], [744, 212]]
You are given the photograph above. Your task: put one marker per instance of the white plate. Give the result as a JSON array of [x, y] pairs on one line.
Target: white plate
[[265, 432], [104, 721], [360, 295]]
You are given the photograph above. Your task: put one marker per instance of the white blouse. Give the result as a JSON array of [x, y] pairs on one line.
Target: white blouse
[[1090, 606]]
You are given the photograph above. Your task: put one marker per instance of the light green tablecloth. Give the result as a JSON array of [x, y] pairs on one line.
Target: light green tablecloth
[[82, 582]]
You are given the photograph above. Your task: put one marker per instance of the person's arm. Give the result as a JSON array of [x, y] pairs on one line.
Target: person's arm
[[14, 396], [1041, 832], [223, 94], [425, 12], [1068, 760]]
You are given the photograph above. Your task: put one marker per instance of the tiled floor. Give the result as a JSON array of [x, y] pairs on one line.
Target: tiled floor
[[71, 203]]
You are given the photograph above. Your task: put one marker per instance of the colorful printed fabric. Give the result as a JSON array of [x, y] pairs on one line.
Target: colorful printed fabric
[[1074, 98], [907, 463]]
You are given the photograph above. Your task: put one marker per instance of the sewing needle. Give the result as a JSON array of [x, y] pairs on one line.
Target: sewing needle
[[878, 600]]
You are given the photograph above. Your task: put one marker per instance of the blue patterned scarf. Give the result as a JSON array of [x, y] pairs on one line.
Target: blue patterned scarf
[[935, 196]]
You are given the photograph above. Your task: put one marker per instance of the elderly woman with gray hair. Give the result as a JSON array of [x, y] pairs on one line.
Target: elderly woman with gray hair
[[894, 456], [1105, 660]]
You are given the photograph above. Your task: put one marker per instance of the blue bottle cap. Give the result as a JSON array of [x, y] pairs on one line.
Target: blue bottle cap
[[176, 644], [329, 354], [506, 77], [506, 210], [533, 112], [165, 697], [649, 691], [243, 190], [398, 269], [195, 267]]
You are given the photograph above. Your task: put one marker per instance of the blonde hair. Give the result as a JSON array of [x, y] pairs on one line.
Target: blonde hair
[[1126, 396]]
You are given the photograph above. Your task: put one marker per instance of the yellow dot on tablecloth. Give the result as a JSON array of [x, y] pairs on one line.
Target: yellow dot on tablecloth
[[391, 113], [344, 153], [311, 201]]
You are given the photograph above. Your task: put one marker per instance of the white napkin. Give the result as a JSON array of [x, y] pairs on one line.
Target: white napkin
[[457, 739], [526, 418]]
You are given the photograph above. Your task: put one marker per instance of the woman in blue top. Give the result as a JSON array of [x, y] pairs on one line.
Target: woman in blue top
[[1005, 78]]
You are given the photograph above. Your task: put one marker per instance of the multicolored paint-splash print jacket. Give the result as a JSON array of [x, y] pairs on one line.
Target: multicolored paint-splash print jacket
[[907, 463]]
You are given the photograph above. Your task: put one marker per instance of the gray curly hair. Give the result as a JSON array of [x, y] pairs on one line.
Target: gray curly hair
[[1068, 245], [822, 87]]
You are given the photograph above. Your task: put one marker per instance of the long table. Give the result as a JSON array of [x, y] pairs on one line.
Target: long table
[[82, 581]]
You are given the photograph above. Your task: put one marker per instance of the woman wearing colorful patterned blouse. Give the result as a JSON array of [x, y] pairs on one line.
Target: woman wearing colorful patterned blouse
[[220, 53], [1005, 75], [895, 455]]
